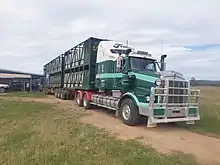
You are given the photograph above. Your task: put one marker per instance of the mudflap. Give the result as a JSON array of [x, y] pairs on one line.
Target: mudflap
[[117, 113], [150, 124]]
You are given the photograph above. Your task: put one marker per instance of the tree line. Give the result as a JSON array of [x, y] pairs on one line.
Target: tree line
[[195, 82]]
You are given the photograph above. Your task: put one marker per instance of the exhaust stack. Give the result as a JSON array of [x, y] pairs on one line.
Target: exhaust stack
[[162, 62]]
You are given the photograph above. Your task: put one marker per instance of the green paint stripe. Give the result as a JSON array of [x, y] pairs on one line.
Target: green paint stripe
[[119, 75], [144, 77], [109, 75]]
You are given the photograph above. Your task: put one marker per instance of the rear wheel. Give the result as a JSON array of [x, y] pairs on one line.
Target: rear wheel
[[129, 113], [79, 101], [86, 102]]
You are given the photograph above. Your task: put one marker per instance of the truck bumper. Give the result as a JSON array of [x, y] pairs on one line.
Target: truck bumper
[[167, 107], [170, 120]]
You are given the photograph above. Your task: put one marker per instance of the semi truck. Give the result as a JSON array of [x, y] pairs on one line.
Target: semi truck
[[131, 82]]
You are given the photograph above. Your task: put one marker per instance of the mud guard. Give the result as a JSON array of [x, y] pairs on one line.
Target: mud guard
[[143, 108], [131, 96]]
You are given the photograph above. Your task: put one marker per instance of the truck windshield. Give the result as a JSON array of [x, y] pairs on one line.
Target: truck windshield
[[143, 64]]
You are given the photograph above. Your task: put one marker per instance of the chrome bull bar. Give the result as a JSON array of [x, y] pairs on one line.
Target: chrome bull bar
[[177, 100]]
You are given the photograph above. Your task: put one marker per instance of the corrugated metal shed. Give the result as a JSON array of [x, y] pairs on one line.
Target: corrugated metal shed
[[5, 73], [17, 80]]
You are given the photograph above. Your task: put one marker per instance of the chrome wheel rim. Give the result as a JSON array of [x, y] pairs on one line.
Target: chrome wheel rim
[[126, 112], [78, 99], [84, 102]]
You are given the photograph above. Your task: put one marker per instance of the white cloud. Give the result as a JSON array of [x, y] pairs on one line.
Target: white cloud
[[34, 32]]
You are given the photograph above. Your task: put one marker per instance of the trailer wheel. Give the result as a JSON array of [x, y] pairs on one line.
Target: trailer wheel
[[68, 95], [62, 95], [86, 102], [65, 95], [79, 101], [129, 113], [58, 94]]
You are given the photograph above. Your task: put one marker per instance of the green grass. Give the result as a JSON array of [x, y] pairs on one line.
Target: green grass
[[23, 94], [37, 133], [209, 111]]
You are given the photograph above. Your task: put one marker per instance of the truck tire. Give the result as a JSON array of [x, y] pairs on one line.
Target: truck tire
[[86, 102], [62, 95], [129, 112], [2, 90], [59, 94], [56, 93], [69, 96], [79, 101], [65, 93]]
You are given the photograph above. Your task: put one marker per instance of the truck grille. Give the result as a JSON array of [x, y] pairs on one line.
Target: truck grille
[[177, 93]]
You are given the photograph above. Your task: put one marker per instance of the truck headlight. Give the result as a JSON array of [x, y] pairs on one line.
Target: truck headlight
[[148, 98], [158, 82]]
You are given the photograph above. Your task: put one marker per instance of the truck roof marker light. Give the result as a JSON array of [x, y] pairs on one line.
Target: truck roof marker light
[[144, 53]]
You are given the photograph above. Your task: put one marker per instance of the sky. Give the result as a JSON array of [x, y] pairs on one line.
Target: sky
[[33, 32]]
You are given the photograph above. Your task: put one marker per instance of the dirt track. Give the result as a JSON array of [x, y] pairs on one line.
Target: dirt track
[[164, 138]]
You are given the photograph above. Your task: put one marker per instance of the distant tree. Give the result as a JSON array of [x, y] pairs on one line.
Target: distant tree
[[193, 81]]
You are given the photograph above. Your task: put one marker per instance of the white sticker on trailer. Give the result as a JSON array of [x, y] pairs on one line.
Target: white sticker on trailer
[[109, 50]]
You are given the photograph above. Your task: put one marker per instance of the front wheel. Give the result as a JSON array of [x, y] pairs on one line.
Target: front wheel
[[129, 113]]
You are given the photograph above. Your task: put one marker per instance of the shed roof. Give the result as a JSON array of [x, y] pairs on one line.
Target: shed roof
[[5, 75], [17, 72]]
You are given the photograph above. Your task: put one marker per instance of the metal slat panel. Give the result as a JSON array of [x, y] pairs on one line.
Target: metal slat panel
[[81, 60]]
